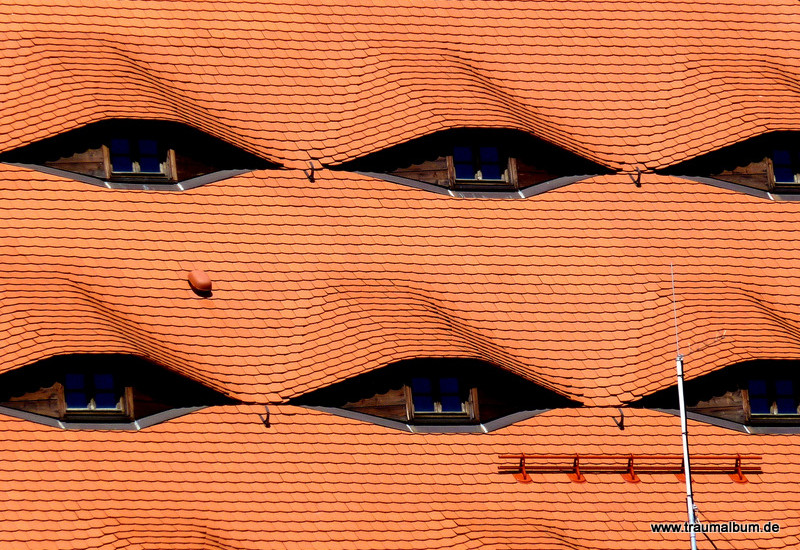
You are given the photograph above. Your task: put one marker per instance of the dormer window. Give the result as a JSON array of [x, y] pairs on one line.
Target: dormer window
[[138, 157], [772, 397], [95, 392], [136, 154], [445, 397], [436, 395], [480, 164], [466, 162], [761, 395], [100, 391], [768, 163], [786, 166]]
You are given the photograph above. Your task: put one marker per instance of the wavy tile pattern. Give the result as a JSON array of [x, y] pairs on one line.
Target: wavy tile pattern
[[626, 85], [315, 283], [318, 282], [220, 480]]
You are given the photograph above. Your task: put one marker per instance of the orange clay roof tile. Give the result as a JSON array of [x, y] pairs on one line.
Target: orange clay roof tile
[[318, 282]]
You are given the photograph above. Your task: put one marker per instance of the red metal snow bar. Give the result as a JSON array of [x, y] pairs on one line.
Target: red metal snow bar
[[629, 466]]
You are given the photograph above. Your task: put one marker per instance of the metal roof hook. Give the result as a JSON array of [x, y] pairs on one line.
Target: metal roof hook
[[265, 417], [310, 174], [637, 179], [621, 422]]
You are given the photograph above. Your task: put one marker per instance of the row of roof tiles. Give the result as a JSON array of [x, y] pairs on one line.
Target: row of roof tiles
[[242, 485], [315, 283], [334, 83]]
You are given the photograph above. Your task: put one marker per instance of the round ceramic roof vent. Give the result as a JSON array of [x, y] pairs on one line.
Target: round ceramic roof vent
[[200, 281]]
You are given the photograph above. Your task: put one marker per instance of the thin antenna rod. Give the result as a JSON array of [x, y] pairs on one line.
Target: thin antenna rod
[[687, 469], [675, 311]]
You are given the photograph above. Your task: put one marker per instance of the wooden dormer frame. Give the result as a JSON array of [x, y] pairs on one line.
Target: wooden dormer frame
[[461, 184], [168, 176], [471, 414]]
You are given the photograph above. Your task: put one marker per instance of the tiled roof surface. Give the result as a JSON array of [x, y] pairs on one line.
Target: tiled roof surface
[[314, 283], [220, 480], [318, 282], [625, 84]]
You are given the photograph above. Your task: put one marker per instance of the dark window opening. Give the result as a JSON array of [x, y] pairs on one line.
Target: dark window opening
[[770, 162], [437, 392], [472, 159], [480, 163], [101, 389], [95, 391], [763, 393], [440, 395], [136, 152], [137, 156], [772, 397], [786, 166]]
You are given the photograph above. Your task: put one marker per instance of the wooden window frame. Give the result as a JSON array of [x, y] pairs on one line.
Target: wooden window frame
[[512, 181], [124, 413], [794, 153], [169, 175], [470, 414], [769, 418]]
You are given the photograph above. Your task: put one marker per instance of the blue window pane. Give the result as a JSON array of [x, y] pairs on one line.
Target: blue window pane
[[105, 400], [784, 387], [149, 160], [786, 405], [148, 147], [781, 157], [451, 403], [759, 405], [421, 385], [121, 163], [489, 154], [463, 154], [423, 403], [103, 381], [150, 165], [448, 385], [74, 381], [462, 158], [76, 400], [783, 174], [121, 147], [757, 388], [465, 172], [121, 160], [491, 172], [782, 166]]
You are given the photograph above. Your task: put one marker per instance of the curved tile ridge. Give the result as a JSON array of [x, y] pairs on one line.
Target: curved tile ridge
[[69, 94], [331, 82], [314, 283]]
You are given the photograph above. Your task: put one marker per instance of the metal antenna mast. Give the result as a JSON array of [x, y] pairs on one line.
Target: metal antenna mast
[[687, 470]]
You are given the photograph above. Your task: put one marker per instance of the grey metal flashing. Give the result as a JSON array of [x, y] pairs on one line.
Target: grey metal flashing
[[729, 424], [530, 191], [184, 185], [158, 418], [129, 426], [431, 428], [38, 418], [760, 193]]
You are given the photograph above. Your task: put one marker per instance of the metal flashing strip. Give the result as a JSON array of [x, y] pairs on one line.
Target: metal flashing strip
[[530, 191], [729, 424], [39, 419], [124, 426], [760, 193], [431, 428], [184, 185]]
